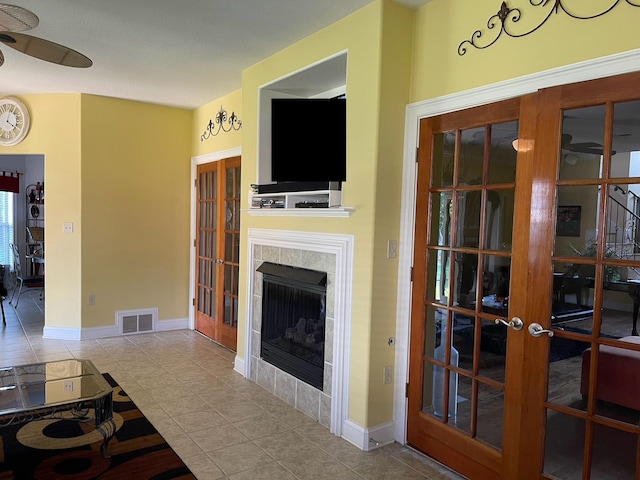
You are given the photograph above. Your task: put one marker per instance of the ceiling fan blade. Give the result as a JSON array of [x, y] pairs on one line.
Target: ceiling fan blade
[[45, 50], [1, 59], [16, 19]]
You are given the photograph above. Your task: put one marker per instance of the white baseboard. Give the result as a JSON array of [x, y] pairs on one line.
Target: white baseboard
[[69, 333], [367, 439], [238, 365], [176, 324]]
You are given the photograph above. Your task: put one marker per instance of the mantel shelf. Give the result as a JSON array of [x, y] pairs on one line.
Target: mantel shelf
[[335, 212]]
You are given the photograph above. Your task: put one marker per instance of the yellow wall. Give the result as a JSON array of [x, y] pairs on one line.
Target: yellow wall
[[56, 132], [443, 24], [360, 35], [396, 43], [135, 209], [232, 103]]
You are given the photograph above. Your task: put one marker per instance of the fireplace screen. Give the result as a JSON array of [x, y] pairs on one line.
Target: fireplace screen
[[293, 320]]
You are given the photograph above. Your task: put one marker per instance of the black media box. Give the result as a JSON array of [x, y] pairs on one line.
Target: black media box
[[284, 187]]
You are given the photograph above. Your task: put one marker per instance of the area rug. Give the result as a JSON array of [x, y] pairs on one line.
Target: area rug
[[67, 449]]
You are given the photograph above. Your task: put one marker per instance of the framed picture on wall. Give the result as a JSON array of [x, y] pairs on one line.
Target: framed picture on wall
[[568, 223]]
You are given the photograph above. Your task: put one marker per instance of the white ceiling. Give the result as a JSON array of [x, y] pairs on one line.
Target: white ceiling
[[183, 53]]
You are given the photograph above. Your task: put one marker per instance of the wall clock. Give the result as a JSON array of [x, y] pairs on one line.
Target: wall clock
[[14, 121]]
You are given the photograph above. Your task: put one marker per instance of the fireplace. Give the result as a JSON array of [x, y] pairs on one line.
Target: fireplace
[[293, 320]]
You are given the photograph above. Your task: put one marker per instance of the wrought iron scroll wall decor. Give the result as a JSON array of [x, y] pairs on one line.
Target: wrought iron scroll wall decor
[[222, 123], [506, 17]]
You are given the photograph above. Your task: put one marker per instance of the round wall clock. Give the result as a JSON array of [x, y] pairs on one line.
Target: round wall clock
[[14, 121]]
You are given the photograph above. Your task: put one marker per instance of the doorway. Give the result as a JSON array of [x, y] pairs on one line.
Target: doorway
[[217, 246], [527, 287]]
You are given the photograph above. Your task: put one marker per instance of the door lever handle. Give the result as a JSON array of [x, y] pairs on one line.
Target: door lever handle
[[536, 330], [515, 323]]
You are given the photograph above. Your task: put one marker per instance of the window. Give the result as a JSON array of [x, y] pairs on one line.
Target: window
[[7, 221]]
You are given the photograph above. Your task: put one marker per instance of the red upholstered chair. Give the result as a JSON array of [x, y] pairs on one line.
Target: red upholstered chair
[[618, 374]]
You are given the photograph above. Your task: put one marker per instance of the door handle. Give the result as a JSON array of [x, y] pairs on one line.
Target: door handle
[[219, 261], [536, 330], [515, 323]]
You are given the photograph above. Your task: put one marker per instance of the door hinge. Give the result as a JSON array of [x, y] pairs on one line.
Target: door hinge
[[194, 242], [417, 153], [411, 275], [195, 182], [193, 302], [406, 391]]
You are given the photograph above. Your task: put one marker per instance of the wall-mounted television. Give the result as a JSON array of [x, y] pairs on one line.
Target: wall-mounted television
[[308, 140]]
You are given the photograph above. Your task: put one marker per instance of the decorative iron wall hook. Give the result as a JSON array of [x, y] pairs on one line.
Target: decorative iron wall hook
[[222, 123], [507, 17]]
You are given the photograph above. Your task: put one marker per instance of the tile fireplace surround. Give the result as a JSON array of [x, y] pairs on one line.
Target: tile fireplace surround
[[328, 253]]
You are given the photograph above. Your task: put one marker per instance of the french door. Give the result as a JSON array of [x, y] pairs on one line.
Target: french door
[[525, 359], [218, 250]]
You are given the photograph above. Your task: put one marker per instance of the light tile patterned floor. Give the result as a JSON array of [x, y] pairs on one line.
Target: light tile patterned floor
[[222, 425]]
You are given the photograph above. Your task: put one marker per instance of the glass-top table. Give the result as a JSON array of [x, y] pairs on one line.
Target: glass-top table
[[43, 390]]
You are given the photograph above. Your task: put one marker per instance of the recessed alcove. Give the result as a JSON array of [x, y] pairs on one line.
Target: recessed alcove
[[324, 79]]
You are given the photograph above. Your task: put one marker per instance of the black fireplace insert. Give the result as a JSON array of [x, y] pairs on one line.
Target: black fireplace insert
[[293, 320]]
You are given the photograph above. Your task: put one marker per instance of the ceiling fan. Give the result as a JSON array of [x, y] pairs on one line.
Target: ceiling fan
[[582, 147], [14, 19]]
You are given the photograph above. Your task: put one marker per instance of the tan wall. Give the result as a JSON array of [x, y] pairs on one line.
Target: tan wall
[[135, 209], [396, 42], [56, 132], [360, 35], [232, 103], [443, 24]]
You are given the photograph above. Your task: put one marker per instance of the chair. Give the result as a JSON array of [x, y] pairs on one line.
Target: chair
[[36, 281]]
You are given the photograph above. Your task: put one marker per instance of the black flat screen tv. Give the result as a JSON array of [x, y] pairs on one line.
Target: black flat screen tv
[[308, 140]]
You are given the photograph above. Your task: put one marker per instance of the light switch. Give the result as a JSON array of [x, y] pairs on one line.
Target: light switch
[[392, 249], [67, 227]]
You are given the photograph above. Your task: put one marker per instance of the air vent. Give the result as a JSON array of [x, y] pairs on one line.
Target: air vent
[[136, 321]]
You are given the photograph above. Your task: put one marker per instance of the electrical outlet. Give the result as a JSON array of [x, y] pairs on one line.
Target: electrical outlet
[[67, 227], [92, 299], [68, 386], [388, 374]]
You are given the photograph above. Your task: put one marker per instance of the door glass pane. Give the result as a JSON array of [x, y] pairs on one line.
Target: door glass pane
[[495, 285], [626, 139], [564, 446], [614, 454], [441, 204], [573, 296], [493, 351], [471, 164], [567, 385], [577, 220], [468, 210], [582, 143], [621, 299], [490, 415], [443, 154], [438, 276], [499, 219], [466, 266], [464, 404], [437, 317], [502, 162], [463, 339]]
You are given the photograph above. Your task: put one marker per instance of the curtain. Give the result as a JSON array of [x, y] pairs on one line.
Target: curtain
[[9, 182]]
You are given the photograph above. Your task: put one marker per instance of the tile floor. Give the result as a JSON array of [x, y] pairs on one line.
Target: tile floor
[[222, 425]]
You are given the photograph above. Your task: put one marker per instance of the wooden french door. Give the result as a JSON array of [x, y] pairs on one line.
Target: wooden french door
[[525, 359], [218, 250]]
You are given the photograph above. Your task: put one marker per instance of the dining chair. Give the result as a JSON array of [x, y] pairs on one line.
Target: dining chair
[[28, 282]]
